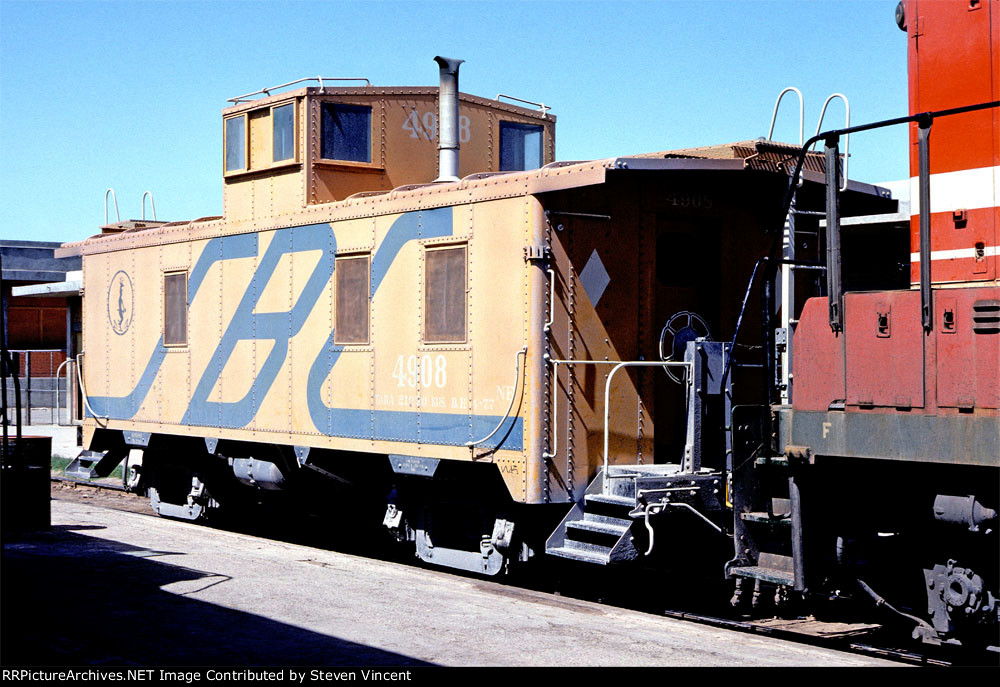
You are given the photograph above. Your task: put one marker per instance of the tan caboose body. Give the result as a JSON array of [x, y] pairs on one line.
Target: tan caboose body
[[433, 342]]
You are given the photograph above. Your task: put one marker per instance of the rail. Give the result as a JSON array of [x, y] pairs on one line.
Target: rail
[[607, 390], [83, 390], [118, 217], [832, 137], [267, 91], [802, 112], [513, 395], [70, 415], [555, 395], [152, 205], [542, 107], [847, 139], [552, 300]]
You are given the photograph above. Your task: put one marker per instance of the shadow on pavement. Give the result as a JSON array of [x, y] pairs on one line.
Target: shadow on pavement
[[71, 599]]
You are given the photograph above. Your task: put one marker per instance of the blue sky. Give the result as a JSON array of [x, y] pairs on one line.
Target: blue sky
[[128, 94]]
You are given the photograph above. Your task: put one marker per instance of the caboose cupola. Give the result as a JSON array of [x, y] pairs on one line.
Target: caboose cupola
[[323, 143]]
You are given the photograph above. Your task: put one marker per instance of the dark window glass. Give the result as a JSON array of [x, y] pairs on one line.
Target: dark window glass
[[351, 326], [175, 309], [520, 147], [283, 132], [444, 295], [236, 144], [347, 132]]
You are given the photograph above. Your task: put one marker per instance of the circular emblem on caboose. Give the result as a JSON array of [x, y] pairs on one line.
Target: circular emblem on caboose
[[120, 302]]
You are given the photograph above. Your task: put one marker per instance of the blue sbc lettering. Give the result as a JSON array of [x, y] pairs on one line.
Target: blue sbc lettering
[[279, 327]]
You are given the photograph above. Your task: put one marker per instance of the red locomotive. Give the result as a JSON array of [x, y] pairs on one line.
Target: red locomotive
[[881, 474]]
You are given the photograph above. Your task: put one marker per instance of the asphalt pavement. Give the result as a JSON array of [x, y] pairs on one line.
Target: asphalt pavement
[[106, 587]]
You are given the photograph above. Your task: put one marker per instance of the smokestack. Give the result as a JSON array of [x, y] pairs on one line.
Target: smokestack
[[448, 119]]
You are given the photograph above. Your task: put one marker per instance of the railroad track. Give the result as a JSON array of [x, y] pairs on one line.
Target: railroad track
[[803, 631]]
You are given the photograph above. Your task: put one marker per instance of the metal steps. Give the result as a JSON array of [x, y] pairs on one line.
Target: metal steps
[[598, 529], [94, 464]]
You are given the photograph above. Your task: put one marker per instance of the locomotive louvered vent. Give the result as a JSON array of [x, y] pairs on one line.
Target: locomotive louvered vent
[[986, 317]]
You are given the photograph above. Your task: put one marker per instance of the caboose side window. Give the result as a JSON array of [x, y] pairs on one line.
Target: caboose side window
[[520, 147], [283, 132], [445, 295], [236, 144], [175, 309], [346, 132], [351, 306]]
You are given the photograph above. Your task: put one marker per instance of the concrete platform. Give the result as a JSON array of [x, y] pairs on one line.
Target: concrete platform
[[106, 587]]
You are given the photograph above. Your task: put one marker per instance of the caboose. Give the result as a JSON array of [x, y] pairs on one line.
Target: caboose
[[441, 329]]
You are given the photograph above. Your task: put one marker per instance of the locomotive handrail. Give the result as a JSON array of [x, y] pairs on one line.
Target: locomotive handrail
[[267, 91], [83, 390], [924, 120], [689, 367], [836, 133], [513, 395], [847, 139]]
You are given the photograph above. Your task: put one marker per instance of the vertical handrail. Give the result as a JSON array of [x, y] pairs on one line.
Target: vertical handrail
[[114, 198], [847, 137], [83, 389], [924, 189], [834, 285], [152, 204], [513, 395], [69, 388], [802, 112], [552, 300], [688, 367], [555, 395]]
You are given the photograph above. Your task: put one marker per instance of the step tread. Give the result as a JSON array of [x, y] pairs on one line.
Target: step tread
[[766, 574], [611, 499], [580, 555], [763, 517], [602, 527]]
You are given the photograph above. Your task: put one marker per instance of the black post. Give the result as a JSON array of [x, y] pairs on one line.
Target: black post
[[834, 287], [924, 159], [27, 380]]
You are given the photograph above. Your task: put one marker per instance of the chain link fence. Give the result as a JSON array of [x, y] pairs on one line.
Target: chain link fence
[[46, 396]]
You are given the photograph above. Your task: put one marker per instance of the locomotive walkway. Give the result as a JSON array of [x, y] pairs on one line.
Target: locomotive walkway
[[106, 587]]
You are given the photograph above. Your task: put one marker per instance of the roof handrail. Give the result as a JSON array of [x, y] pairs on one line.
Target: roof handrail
[[543, 108], [802, 111], [151, 204], [847, 138], [267, 91], [114, 198]]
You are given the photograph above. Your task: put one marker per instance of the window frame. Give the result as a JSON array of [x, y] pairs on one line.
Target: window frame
[[522, 126], [246, 144], [372, 142], [295, 133], [354, 255], [429, 249], [166, 309]]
